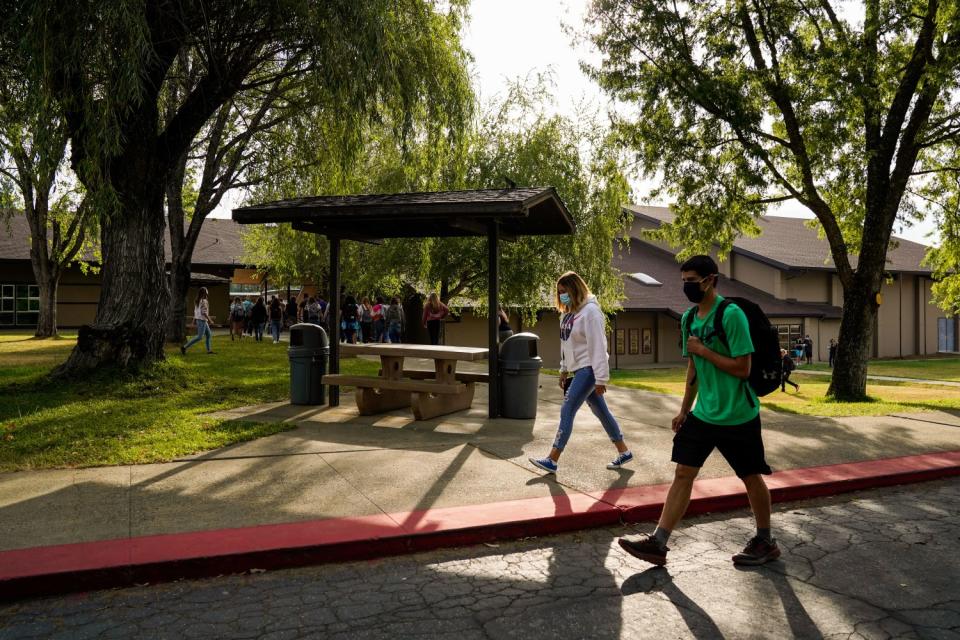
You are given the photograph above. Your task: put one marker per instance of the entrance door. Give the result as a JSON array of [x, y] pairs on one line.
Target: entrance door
[[946, 338]]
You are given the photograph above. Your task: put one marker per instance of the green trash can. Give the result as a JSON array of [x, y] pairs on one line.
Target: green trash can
[[308, 352], [519, 381]]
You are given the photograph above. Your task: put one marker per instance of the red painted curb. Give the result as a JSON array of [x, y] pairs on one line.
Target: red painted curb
[[112, 563]]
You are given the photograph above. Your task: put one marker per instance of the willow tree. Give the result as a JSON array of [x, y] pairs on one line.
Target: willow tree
[[737, 104], [512, 139], [107, 65], [36, 183]]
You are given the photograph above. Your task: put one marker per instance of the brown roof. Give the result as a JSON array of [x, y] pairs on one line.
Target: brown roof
[[669, 298], [219, 243], [788, 243], [520, 211]]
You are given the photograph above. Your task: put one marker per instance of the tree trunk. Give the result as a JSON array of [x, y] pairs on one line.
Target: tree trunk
[[134, 298], [47, 321], [179, 287], [849, 380]]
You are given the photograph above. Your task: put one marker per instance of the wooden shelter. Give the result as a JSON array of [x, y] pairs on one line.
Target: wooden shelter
[[498, 214]]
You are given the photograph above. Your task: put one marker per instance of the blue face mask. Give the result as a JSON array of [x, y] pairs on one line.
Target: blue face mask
[[565, 298]]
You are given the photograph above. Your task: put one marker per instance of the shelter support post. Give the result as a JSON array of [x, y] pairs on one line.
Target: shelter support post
[[493, 271], [333, 316]]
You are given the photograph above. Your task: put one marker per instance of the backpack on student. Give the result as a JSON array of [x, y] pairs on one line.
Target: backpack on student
[[766, 367]]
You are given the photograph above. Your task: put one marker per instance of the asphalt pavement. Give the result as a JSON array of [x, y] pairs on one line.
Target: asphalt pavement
[[875, 564]]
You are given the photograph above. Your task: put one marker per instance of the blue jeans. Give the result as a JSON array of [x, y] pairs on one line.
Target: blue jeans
[[203, 331], [394, 331], [379, 330], [258, 331], [582, 389], [275, 329]]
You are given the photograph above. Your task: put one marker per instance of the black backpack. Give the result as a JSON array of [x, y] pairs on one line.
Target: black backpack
[[766, 366]]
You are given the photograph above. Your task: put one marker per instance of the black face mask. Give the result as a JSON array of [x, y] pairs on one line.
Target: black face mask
[[693, 291]]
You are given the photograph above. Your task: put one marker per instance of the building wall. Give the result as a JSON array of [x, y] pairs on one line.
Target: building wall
[[758, 275], [635, 323], [668, 339], [812, 286]]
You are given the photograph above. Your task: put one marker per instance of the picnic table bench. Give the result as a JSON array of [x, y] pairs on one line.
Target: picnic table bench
[[429, 393]]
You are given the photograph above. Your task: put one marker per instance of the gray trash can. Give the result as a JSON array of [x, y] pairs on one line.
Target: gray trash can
[[519, 375], [309, 348]]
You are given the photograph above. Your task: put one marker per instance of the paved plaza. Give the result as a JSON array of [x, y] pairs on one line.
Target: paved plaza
[[877, 564]]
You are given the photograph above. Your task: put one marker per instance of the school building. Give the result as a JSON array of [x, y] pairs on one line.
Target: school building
[[787, 270], [216, 265]]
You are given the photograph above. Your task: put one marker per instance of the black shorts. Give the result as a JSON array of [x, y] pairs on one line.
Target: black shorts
[[741, 445]]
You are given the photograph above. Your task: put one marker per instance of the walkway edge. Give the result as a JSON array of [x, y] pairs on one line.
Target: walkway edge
[[115, 563]]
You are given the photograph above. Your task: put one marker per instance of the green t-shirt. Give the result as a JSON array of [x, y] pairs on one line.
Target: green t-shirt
[[721, 398]]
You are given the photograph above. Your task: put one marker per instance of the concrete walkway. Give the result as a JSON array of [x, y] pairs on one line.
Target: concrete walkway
[[389, 473], [938, 383]]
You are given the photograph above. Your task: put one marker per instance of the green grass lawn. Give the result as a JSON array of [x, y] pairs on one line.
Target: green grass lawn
[[946, 368], [154, 416], [889, 397]]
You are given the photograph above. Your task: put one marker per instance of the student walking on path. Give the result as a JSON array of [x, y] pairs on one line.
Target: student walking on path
[[433, 314], [238, 318], [201, 317], [276, 319], [726, 417], [366, 320], [808, 349], [379, 325], [394, 318], [258, 317], [787, 368], [832, 352], [584, 369], [350, 320]]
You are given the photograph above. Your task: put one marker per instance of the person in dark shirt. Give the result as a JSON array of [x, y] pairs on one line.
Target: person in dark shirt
[[788, 367]]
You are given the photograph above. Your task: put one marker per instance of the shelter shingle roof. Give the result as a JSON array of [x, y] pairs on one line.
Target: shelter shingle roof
[[788, 243], [521, 211]]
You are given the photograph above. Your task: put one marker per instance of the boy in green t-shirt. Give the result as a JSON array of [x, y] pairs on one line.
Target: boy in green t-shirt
[[726, 417]]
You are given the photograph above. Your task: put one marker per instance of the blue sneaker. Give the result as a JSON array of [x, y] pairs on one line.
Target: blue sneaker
[[547, 464], [620, 460]]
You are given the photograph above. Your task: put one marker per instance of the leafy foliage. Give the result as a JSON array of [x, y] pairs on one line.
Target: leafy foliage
[[738, 105], [514, 139]]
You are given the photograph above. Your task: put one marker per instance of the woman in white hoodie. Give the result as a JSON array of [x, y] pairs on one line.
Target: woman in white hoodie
[[584, 370]]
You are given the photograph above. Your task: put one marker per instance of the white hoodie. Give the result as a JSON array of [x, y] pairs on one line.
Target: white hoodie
[[583, 341]]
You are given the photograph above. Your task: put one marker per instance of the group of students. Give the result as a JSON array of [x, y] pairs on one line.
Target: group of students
[[726, 415], [364, 321], [249, 317]]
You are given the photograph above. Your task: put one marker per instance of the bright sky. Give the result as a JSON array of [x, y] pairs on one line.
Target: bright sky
[[512, 38]]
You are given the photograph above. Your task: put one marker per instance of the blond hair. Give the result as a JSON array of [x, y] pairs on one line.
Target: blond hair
[[576, 287], [433, 301]]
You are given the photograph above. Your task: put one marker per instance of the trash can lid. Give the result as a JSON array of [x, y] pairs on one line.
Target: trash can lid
[[520, 347], [306, 334]]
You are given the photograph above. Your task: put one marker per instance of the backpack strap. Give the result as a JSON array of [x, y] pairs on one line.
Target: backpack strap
[[718, 322], [688, 320]]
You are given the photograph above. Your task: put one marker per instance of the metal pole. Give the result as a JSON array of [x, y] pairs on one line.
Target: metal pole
[[333, 315], [493, 271]]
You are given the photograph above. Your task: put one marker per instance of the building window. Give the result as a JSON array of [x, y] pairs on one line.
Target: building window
[[7, 305], [19, 304], [789, 334], [946, 335]]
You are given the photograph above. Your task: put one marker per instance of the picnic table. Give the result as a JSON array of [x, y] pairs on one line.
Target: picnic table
[[429, 393]]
